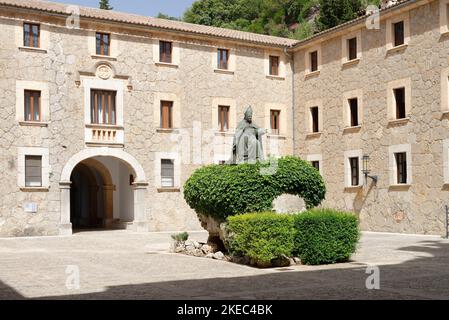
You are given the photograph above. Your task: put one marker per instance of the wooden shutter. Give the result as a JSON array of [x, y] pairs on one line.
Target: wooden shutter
[[31, 35], [274, 65], [314, 61], [165, 51], [32, 106], [166, 114], [167, 173], [354, 164], [398, 33], [33, 171]]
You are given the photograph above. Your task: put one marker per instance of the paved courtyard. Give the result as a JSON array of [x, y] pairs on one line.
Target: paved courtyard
[[127, 265]]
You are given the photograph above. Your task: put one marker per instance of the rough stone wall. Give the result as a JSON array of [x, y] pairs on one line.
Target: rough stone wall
[[415, 209], [194, 82]]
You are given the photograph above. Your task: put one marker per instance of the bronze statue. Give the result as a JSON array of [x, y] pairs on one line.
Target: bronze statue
[[247, 145]]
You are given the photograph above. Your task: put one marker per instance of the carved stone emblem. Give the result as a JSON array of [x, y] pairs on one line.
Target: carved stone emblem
[[104, 71]]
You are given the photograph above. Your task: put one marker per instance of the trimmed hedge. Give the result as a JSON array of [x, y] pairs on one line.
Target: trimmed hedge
[[325, 236], [261, 236], [220, 191]]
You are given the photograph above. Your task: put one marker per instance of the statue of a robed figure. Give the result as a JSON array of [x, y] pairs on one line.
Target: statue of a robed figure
[[247, 144]]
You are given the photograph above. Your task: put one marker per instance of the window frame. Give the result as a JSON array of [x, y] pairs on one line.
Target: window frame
[[354, 120], [165, 57], [275, 121], [30, 93], [223, 64], [314, 64], [223, 118], [100, 44], [315, 164], [171, 177], [315, 119], [31, 35], [111, 96], [274, 68], [398, 33], [354, 167], [400, 106], [166, 123], [352, 50], [401, 168], [28, 183]]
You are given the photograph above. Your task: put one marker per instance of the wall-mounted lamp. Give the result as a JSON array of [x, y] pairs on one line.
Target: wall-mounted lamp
[[366, 170]]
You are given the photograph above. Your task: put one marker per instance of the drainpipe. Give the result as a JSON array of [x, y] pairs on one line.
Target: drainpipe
[[292, 64]]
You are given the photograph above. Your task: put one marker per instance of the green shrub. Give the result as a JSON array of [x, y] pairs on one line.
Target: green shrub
[[325, 236], [220, 191], [180, 236], [261, 236]]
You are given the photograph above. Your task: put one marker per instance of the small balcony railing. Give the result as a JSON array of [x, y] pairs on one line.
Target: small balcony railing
[[100, 134]]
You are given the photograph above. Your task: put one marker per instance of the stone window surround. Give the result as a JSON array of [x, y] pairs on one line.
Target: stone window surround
[[177, 110], [21, 86], [44, 38], [33, 151], [283, 121], [345, 48], [392, 150], [90, 83], [446, 161], [444, 18], [282, 64], [391, 100], [232, 62], [175, 52], [389, 31], [92, 44], [158, 156], [314, 103], [445, 90], [221, 101], [316, 157], [352, 154], [346, 108], [308, 71]]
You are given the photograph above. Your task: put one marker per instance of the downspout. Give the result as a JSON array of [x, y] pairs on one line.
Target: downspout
[[292, 64]]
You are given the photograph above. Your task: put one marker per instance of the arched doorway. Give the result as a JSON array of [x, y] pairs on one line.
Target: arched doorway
[[91, 196], [103, 188]]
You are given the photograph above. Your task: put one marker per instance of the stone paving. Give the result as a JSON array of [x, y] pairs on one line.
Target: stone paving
[[127, 265]]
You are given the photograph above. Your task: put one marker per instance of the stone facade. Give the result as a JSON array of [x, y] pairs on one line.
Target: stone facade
[[66, 67], [420, 67]]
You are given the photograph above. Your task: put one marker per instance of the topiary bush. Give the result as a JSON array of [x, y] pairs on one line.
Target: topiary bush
[[220, 191], [261, 236], [325, 236]]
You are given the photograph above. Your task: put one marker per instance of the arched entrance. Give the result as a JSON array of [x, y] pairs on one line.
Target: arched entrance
[[102, 188]]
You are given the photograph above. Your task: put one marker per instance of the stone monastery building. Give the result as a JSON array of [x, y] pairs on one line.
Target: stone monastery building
[[104, 115]]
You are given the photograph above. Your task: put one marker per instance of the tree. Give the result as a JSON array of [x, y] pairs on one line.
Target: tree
[[335, 12], [167, 17], [104, 4]]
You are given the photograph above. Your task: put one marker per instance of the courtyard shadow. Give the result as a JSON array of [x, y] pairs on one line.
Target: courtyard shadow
[[425, 277]]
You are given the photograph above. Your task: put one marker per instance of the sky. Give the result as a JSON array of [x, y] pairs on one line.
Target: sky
[[150, 8]]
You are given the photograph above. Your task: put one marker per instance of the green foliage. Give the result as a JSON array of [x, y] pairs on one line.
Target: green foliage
[[220, 191], [166, 17], [284, 18], [261, 236], [180, 236], [325, 236], [104, 4]]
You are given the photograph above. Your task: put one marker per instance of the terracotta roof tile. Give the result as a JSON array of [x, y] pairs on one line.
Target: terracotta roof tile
[[152, 22]]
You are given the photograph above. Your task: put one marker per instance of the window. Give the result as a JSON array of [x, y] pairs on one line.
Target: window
[[166, 114], [275, 116], [399, 96], [165, 51], [315, 164], [222, 162], [167, 173], [398, 30], [223, 59], [274, 65], [31, 35], [102, 107], [32, 105], [315, 120], [352, 49], [354, 112], [103, 43], [33, 171], [314, 61], [354, 165], [401, 167], [223, 118]]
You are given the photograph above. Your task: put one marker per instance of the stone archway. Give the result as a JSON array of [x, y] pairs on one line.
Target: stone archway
[[140, 185]]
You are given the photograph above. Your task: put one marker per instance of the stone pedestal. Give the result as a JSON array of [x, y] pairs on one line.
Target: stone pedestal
[[140, 223], [65, 226]]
